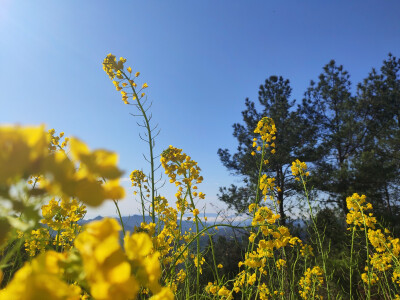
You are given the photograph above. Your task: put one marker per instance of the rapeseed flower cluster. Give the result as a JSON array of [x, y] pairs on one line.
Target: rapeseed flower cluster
[[102, 266], [42, 278], [221, 292], [386, 249], [176, 163], [36, 240], [267, 130], [385, 257], [113, 272], [139, 179], [310, 283], [169, 242], [299, 169], [271, 239], [307, 250], [264, 215], [29, 152], [28, 147], [185, 173], [357, 215], [56, 142], [122, 78], [62, 217], [169, 237], [267, 185]]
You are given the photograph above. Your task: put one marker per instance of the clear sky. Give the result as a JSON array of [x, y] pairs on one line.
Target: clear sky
[[201, 60]]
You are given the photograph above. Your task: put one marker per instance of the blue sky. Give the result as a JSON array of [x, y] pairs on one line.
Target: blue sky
[[201, 60]]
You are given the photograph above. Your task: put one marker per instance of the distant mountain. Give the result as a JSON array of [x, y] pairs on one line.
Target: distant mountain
[[130, 222]]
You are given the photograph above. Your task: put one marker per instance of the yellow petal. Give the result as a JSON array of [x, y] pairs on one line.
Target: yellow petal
[[137, 245], [78, 148], [106, 248]]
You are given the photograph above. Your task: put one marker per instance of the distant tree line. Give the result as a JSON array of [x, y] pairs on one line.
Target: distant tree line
[[349, 138]]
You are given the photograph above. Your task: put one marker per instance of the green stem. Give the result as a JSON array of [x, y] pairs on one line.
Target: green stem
[[120, 217], [142, 200], [57, 239], [4, 261], [351, 263], [259, 173], [197, 242], [293, 274], [147, 122], [197, 235], [323, 253]]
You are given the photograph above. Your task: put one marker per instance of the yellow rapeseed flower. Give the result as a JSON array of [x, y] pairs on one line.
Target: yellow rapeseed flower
[[41, 279], [195, 212], [107, 270]]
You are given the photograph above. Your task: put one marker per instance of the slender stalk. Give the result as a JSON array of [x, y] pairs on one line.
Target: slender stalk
[[259, 172], [212, 252], [351, 263], [197, 243], [142, 201], [119, 215], [57, 239], [250, 247], [9, 254], [197, 235], [259, 280], [323, 253], [147, 122], [293, 274], [368, 261]]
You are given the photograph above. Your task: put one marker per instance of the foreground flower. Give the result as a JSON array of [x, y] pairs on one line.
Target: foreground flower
[[25, 152], [116, 273], [41, 279], [107, 270]]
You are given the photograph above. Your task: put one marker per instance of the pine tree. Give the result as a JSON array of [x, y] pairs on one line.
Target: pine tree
[[293, 140], [340, 134], [378, 168]]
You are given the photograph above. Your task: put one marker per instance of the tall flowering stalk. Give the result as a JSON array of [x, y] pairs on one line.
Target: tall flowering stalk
[[310, 283], [267, 130], [358, 219], [123, 80], [184, 172], [299, 171], [175, 164], [382, 250], [138, 179]]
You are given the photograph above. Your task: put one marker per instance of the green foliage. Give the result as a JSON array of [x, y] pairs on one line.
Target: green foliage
[[378, 166], [340, 133], [293, 140], [351, 141]]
